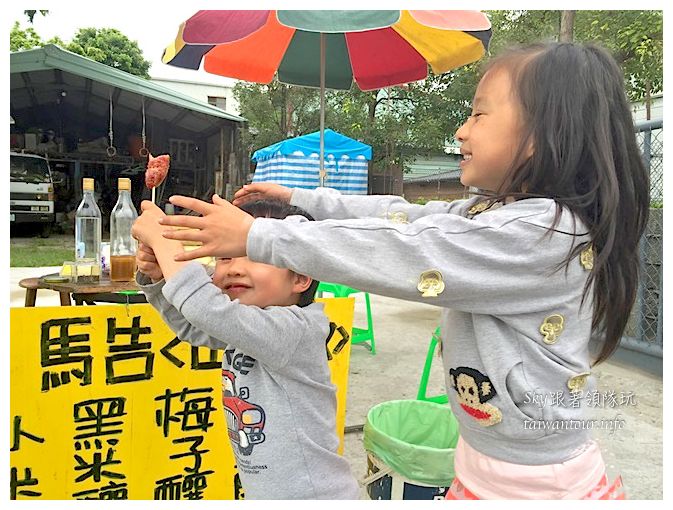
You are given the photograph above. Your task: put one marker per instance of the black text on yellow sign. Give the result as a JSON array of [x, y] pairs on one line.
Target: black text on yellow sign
[[106, 403]]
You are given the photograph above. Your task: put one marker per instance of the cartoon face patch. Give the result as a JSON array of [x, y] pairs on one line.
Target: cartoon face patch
[[474, 391]]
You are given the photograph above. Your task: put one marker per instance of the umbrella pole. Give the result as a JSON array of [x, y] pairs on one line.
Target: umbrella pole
[[322, 110]]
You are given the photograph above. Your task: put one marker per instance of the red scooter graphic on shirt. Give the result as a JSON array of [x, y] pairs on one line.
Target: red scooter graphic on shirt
[[245, 421]]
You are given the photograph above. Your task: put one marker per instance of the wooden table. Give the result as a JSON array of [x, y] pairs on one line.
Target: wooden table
[[104, 291]]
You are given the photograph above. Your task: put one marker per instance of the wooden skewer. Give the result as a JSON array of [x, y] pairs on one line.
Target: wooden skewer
[[154, 195]]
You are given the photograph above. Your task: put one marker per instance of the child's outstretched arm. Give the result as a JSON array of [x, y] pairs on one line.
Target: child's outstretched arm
[[329, 203], [492, 264], [173, 318], [150, 279], [150, 275], [147, 230], [270, 335], [223, 229]]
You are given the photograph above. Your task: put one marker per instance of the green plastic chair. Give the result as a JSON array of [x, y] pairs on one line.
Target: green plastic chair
[[423, 385], [360, 335]]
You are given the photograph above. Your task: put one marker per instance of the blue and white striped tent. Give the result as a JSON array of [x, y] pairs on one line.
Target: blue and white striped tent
[[296, 163]]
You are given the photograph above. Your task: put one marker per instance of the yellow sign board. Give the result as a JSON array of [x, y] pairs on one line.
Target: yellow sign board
[[107, 403]]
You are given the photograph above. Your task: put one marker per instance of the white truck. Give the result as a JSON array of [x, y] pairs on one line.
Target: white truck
[[31, 191]]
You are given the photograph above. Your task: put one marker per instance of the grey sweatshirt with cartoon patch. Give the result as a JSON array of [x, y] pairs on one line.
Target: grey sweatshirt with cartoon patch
[[515, 338], [278, 398]]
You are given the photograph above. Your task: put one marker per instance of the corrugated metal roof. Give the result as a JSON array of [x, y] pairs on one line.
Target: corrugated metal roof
[[52, 57], [441, 176], [433, 168]]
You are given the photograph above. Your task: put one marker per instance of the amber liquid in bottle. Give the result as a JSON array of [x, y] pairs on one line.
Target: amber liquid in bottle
[[122, 268]]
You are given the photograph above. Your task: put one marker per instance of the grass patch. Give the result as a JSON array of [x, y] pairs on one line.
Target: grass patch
[[37, 252], [38, 256]]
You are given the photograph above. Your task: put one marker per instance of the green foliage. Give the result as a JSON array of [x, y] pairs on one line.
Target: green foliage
[[20, 39], [106, 45], [636, 41], [31, 14], [110, 47], [522, 27], [277, 111]]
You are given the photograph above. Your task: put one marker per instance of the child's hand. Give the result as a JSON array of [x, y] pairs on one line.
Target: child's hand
[[146, 228], [262, 191], [147, 263], [222, 229]]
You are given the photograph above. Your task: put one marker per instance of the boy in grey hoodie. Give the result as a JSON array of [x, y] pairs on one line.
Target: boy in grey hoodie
[[274, 369]]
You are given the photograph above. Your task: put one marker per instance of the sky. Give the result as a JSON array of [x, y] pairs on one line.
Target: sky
[[152, 30]]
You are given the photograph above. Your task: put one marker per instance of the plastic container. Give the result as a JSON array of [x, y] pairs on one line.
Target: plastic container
[[105, 260], [410, 446]]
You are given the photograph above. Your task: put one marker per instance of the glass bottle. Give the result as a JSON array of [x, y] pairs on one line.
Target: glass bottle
[[123, 246], [88, 233]]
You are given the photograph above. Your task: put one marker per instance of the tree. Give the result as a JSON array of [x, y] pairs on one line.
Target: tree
[[105, 45], [110, 47], [31, 14], [20, 40], [636, 40], [276, 111]]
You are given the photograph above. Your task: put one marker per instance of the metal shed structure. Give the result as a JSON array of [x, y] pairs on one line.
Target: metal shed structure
[[72, 98]]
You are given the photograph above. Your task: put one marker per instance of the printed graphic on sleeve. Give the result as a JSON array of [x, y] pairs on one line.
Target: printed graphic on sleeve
[[474, 391], [245, 420]]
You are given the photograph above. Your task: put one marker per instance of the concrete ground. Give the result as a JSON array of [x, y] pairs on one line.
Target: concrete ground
[[403, 331]]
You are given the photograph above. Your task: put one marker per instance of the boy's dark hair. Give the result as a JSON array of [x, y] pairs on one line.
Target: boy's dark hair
[[585, 157], [281, 210]]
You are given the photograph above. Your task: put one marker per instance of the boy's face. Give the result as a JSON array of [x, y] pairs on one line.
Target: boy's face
[[254, 283], [491, 135]]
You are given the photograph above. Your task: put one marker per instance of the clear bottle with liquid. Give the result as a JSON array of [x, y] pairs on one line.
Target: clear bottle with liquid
[[123, 246], [88, 233]]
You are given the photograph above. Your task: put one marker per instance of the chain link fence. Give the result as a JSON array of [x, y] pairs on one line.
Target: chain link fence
[[644, 332]]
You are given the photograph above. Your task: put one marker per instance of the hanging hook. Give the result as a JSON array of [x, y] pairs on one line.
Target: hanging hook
[[143, 150], [111, 150]]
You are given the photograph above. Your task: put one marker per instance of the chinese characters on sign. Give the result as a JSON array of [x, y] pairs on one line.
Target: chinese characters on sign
[[106, 403]]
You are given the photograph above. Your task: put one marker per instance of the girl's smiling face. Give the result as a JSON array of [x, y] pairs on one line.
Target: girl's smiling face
[[491, 136]]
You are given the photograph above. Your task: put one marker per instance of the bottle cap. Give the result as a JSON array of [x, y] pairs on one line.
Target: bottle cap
[[124, 184], [87, 184]]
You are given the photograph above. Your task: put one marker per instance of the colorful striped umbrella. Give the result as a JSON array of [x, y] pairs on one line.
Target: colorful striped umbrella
[[330, 49]]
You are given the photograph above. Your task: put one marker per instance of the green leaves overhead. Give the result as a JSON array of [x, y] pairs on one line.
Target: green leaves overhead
[[109, 46], [106, 45]]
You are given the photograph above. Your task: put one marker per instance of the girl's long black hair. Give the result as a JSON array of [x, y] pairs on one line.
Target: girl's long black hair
[[585, 157]]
